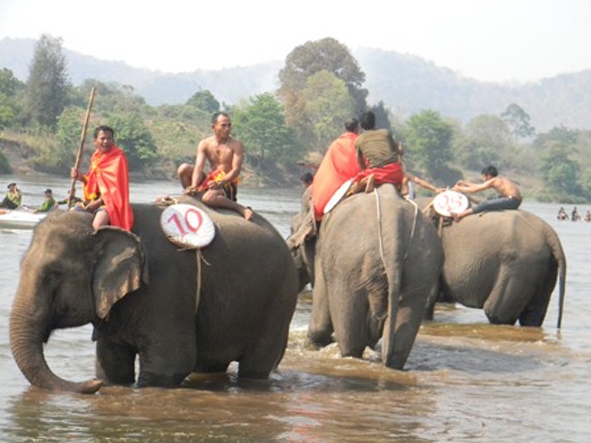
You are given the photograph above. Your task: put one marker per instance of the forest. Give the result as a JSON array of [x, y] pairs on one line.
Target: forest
[[320, 86]]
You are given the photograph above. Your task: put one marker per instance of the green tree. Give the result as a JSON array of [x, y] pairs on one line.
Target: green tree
[[310, 58], [518, 121], [205, 101], [484, 141], [259, 123], [560, 170], [132, 135], [328, 105], [10, 88], [48, 86], [561, 174], [429, 140], [9, 84]]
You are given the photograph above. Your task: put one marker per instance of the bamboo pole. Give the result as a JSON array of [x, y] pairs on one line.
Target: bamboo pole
[[72, 193]]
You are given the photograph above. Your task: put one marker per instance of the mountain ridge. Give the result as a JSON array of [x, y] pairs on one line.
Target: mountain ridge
[[405, 83]]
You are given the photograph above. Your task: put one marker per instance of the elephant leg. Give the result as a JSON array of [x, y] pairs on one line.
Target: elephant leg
[[408, 322], [507, 299], [269, 347], [167, 369], [535, 311], [320, 327], [114, 364], [351, 319]]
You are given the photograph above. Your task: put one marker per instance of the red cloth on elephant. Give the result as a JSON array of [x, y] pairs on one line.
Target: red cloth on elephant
[[391, 173], [108, 178], [338, 165]]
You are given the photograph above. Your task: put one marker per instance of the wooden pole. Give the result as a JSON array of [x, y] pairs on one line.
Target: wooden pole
[[81, 147]]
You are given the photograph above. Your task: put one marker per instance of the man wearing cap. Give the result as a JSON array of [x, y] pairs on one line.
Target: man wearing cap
[[13, 198], [49, 202]]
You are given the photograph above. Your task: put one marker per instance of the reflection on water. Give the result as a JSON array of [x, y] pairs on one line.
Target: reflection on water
[[465, 380]]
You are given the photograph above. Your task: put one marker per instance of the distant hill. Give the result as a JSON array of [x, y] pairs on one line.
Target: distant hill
[[406, 84]]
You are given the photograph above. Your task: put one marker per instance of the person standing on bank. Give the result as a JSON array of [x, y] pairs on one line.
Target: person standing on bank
[[106, 185], [225, 155]]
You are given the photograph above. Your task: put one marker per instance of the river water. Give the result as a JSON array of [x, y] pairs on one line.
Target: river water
[[465, 380]]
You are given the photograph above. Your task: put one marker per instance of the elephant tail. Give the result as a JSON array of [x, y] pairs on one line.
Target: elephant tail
[[392, 255], [560, 257]]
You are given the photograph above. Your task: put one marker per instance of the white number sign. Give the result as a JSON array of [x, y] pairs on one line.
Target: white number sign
[[450, 201], [187, 226]]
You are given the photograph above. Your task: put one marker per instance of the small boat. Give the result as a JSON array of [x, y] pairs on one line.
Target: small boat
[[20, 219]]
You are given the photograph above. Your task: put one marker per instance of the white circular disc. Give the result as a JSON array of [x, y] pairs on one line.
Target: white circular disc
[[187, 226], [450, 201]]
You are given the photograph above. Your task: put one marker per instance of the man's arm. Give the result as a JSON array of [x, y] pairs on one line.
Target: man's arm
[[423, 183], [199, 165], [472, 188]]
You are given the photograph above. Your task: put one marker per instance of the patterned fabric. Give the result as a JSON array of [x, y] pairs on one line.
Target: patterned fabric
[[230, 189]]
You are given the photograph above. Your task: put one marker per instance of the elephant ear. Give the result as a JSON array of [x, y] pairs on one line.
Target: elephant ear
[[121, 266], [305, 224]]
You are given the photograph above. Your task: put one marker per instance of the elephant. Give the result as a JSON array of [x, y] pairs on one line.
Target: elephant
[[373, 263], [506, 262], [179, 311]]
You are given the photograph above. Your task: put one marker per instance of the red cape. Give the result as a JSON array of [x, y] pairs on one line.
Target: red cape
[[338, 165], [390, 173], [108, 177]]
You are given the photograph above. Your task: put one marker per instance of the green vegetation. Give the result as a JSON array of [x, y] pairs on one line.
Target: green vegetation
[[321, 85]]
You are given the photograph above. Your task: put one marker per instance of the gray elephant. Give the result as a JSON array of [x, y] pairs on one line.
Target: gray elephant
[[373, 264], [506, 262], [245, 285]]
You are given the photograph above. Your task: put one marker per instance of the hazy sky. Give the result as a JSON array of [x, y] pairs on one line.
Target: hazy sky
[[490, 40]]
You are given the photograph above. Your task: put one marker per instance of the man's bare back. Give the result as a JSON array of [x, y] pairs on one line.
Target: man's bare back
[[505, 187]]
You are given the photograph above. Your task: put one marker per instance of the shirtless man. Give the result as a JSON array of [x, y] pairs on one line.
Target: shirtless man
[[509, 195], [225, 156]]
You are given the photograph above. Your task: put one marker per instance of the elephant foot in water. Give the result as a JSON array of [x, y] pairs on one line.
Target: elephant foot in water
[[320, 339]]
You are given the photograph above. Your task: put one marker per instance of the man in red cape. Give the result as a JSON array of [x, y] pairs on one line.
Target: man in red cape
[[106, 185], [338, 165]]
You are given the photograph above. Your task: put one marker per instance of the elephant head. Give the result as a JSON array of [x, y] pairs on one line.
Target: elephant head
[[302, 240], [71, 275]]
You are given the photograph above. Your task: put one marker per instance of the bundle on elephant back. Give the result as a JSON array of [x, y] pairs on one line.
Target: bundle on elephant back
[[373, 264], [506, 262], [141, 293]]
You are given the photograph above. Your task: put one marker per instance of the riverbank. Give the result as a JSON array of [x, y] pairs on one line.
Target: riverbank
[[20, 160]]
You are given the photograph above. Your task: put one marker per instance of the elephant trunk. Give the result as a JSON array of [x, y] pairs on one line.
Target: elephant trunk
[[26, 343]]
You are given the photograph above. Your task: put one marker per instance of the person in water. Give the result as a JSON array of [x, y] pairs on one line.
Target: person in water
[[48, 204], [13, 197]]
